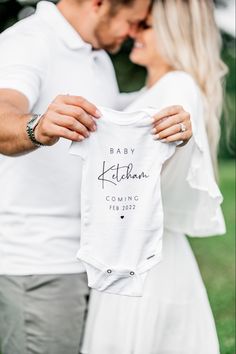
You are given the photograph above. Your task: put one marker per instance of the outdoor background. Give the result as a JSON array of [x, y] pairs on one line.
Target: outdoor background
[[215, 255]]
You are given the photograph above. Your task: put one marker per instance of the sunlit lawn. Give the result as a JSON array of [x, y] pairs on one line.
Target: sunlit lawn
[[216, 257]]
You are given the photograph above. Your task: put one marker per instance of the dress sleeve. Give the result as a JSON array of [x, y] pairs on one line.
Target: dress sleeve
[[191, 197]]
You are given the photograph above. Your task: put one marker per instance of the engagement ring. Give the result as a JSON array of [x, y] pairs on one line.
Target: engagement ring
[[182, 127]]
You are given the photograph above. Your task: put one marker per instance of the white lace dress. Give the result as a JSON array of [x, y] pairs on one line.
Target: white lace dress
[[173, 316]]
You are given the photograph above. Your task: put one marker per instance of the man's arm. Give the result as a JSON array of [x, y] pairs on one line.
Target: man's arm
[[13, 119], [70, 117]]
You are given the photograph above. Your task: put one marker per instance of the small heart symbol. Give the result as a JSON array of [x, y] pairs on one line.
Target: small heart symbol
[[122, 217]]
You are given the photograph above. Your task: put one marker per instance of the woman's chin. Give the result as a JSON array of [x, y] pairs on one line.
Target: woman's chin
[[136, 58]]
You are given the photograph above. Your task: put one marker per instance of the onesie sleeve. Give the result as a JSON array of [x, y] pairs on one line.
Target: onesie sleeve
[[23, 63], [80, 148], [191, 197], [169, 150]]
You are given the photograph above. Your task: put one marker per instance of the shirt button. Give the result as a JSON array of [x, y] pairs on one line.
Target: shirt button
[[109, 271], [131, 273]]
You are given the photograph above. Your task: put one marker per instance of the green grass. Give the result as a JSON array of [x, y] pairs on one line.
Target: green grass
[[216, 258]]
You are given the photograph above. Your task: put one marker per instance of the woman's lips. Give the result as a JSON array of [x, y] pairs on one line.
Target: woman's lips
[[138, 45]]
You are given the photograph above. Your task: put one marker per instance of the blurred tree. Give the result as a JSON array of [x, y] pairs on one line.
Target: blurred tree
[[227, 146], [9, 10]]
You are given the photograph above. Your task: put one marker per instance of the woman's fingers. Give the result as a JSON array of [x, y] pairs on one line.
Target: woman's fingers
[[180, 137], [172, 124], [169, 121], [167, 112], [170, 129]]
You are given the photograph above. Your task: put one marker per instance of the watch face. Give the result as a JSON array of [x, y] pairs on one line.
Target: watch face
[[30, 129], [34, 120]]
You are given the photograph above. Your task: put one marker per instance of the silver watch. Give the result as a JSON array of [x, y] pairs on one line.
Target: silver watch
[[30, 128]]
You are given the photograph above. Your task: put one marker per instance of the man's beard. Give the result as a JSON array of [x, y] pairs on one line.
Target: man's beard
[[101, 33]]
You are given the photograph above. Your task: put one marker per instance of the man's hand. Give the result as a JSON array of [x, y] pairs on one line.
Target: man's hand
[[172, 124], [70, 117]]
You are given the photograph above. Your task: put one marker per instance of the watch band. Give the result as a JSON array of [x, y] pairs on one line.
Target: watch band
[[30, 128]]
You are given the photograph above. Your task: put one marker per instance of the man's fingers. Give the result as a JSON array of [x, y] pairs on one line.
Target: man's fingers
[[86, 120], [62, 132], [166, 112], [81, 102], [72, 124], [69, 117], [48, 130], [76, 113]]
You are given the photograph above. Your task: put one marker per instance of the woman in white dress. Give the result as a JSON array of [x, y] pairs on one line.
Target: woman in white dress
[[180, 47]]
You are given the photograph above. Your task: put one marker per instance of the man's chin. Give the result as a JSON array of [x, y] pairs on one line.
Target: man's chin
[[111, 48], [114, 50]]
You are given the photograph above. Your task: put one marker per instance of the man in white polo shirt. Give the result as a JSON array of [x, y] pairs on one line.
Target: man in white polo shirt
[[49, 63]]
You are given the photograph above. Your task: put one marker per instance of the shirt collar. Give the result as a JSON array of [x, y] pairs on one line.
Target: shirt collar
[[49, 12]]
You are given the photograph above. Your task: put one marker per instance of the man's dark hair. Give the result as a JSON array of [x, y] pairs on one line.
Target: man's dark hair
[[116, 4], [121, 2]]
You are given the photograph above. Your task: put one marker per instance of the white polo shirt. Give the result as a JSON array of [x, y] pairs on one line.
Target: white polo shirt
[[43, 56]]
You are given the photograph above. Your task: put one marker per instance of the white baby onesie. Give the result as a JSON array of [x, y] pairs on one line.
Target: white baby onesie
[[122, 216]]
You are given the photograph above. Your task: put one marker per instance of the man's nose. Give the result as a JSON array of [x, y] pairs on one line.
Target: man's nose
[[133, 31]]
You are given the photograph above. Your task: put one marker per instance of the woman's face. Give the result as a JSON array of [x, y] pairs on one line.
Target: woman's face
[[145, 51]]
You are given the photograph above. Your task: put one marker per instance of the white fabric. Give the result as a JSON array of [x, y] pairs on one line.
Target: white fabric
[[42, 56], [125, 99], [174, 315], [191, 197], [122, 216]]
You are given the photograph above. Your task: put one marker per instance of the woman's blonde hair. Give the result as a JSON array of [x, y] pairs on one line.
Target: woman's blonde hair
[[190, 41]]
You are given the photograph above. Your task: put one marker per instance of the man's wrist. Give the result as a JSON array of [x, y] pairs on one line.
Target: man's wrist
[[30, 129]]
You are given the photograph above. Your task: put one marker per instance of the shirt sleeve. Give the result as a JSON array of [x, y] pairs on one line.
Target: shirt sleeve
[[23, 63]]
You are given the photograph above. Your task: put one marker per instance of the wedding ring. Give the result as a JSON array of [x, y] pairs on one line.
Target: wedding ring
[[182, 127]]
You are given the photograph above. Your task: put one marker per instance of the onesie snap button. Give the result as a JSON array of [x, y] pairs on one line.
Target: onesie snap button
[[131, 273], [109, 271]]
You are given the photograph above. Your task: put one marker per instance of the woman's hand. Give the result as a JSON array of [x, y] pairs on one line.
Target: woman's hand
[[172, 124]]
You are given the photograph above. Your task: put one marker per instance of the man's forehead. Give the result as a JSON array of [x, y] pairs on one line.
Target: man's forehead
[[141, 5], [138, 10]]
